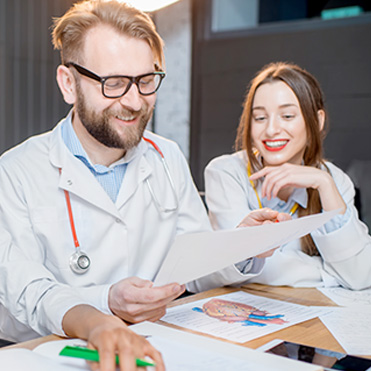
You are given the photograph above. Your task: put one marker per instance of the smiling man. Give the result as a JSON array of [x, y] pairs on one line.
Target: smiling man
[[94, 205]]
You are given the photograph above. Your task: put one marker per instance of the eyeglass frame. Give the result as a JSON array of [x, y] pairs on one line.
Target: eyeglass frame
[[102, 79]]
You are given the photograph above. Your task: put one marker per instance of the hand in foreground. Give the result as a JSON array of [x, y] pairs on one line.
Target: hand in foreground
[[263, 216], [110, 336], [135, 300]]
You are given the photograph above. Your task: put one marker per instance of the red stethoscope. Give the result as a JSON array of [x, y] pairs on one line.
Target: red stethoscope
[[79, 261]]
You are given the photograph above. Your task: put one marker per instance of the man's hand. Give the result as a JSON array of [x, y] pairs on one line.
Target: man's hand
[[135, 300], [110, 336]]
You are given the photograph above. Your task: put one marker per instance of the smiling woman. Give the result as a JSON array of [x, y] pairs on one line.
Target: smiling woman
[[280, 166], [278, 128]]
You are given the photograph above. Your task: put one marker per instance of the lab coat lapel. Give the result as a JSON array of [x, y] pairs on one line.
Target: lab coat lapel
[[76, 178], [80, 181], [137, 171]]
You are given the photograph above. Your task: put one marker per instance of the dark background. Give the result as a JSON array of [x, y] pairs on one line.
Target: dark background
[[30, 102], [337, 52]]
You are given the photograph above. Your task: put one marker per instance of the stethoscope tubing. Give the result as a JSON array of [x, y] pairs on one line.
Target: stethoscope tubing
[[79, 261]]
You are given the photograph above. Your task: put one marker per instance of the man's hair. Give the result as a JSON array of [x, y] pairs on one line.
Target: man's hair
[[69, 31]]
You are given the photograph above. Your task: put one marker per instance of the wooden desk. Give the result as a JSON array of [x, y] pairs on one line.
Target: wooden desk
[[312, 332]]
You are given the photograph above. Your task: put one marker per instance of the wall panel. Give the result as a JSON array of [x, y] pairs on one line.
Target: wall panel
[[30, 102], [337, 52]]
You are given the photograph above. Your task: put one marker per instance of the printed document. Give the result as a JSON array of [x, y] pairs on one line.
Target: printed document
[[345, 297], [351, 327], [238, 316]]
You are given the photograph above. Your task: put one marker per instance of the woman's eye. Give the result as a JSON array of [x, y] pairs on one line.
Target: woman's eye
[[259, 118], [288, 116]]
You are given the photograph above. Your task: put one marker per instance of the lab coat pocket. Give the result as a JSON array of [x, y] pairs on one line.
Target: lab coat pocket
[[50, 230]]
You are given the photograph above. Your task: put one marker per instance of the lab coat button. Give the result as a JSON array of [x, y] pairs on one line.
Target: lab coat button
[[118, 220], [69, 182]]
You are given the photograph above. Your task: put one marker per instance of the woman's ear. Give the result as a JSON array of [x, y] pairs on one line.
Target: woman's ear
[[67, 84], [321, 119]]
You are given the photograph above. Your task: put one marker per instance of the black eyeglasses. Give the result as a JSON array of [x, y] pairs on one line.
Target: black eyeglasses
[[117, 86]]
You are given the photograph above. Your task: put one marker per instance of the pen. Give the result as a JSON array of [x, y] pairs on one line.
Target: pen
[[292, 211], [93, 355]]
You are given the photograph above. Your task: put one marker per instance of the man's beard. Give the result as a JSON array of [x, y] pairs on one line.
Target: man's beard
[[99, 127]]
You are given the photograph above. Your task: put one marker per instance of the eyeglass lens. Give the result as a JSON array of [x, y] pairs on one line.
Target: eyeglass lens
[[116, 86]]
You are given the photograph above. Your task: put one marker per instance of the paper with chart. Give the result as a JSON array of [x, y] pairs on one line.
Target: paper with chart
[[238, 316], [346, 298], [195, 255], [351, 327]]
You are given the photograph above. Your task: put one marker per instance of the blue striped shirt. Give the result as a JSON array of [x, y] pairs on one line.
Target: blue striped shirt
[[110, 178]]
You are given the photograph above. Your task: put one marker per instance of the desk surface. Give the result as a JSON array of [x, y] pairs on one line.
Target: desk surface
[[312, 332]]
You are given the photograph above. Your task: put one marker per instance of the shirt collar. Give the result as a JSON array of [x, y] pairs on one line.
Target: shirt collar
[[74, 145], [299, 195]]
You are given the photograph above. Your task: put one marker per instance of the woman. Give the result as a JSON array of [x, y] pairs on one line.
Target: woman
[[280, 166]]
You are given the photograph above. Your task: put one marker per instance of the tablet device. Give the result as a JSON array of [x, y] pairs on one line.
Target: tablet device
[[328, 359]]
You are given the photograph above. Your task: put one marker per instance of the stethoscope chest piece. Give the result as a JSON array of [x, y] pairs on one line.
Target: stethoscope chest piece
[[79, 262]]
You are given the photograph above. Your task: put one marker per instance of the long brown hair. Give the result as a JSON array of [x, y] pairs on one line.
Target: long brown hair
[[311, 100]]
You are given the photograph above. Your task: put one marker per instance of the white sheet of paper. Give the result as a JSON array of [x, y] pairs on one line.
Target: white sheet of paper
[[351, 327], [195, 255], [182, 351], [24, 359], [185, 316], [345, 297], [52, 349]]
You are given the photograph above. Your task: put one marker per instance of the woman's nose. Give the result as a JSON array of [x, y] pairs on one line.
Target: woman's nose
[[273, 126]]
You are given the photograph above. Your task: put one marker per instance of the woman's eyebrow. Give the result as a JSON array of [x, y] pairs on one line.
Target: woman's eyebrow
[[288, 105], [285, 105]]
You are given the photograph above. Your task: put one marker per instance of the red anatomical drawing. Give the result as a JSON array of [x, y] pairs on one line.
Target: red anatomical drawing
[[231, 311]]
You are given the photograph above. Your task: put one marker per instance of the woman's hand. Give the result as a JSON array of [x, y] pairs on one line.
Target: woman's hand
[[263, 216], [110, 336], [280, 180]]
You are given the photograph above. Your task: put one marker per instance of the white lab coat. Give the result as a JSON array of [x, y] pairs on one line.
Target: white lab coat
[[344, 243], [128, 238]]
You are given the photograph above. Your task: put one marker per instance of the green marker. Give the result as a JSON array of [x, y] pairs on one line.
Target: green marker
[[93, 355]]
